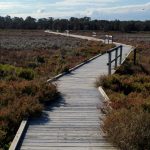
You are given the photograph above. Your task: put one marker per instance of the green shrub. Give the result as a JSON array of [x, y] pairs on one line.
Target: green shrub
[[27, 74], [8, 71]]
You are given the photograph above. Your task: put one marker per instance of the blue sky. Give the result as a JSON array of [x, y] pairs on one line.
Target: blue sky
[[96, 9]]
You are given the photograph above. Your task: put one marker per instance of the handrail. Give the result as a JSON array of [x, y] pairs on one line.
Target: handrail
[[113, 49], [110, 61]]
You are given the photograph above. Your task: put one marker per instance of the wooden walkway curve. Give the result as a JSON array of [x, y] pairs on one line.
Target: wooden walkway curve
[[74, 122]]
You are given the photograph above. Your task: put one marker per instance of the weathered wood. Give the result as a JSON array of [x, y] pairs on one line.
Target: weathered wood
[[116, 56], [19, 135]]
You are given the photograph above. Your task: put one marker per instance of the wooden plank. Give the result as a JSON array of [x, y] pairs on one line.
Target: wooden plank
[[18, 136]]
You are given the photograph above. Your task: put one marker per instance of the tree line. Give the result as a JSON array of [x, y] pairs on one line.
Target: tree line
[[73, 23]]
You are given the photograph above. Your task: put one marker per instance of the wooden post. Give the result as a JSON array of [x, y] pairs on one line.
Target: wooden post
[[135, 56], [109, 64], [120, 54], [116, 59]]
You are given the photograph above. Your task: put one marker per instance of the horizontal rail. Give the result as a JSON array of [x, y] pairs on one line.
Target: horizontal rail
[[114, 59], [117, 56], [113, 49]]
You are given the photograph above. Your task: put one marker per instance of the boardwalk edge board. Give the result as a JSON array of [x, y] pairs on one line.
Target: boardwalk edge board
[[132, 49], [106, 98], [15, 143]]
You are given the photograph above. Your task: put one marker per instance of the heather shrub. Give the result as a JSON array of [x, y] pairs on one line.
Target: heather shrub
[[125, 83], [47, 93], [21, 99], [129, 129]]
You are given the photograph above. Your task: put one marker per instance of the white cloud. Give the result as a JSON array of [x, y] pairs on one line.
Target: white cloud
[[74, 3], [40, 11], [77, 8], [8, 5]]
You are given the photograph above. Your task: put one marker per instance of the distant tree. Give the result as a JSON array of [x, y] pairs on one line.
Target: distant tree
[[8, 22], [42, 23], [2, 22], [73, 23], [50, 23], [30, 23], [17, 23], [147, 25]]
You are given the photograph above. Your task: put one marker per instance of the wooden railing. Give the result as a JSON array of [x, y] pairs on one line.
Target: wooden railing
[[118, 55]]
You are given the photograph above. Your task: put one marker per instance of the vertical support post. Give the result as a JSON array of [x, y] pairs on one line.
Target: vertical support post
[[112, 39], [135, 56], [116, 58], [109, 63], [121, 54]]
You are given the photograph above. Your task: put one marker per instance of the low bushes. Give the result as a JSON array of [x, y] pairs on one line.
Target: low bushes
[[10, 72], [27, 74], [19, 100], [127, 123], [129, 128]]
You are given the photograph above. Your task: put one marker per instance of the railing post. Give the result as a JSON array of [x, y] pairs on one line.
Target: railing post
[[135, 56], [116, 59], [120, 54], [109, 63]]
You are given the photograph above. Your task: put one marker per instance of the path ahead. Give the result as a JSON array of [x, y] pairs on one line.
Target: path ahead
[[74, 122]]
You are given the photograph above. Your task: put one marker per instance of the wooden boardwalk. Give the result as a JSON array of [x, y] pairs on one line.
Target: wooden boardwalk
[[73, 123]]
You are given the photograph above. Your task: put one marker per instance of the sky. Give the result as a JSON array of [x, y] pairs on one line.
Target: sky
[[96, 9]]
